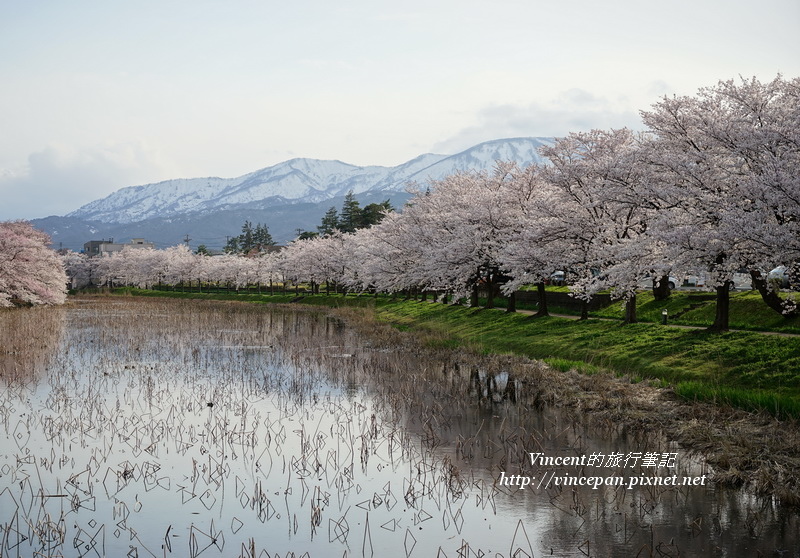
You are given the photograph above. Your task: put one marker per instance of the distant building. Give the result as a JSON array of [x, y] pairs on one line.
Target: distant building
[[107, 247]]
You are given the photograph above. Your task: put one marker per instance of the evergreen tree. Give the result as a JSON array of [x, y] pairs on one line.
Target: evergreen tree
[[373, 213], [247, 238], [351, 216], [252, 239], [262, 238], [232, 246], [330, 222]]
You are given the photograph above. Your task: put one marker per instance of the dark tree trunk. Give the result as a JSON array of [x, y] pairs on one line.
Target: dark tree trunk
[[661, 292], [542, 294], [512, 302], [630, 310], [770, 296], [584, 309], [722, 316], [473, 301], [490, 292]]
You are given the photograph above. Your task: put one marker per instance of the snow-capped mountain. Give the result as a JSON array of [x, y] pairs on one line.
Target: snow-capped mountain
[[287, 197], [295, 181]]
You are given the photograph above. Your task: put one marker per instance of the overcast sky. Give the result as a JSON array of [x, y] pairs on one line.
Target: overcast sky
[[98, 95]]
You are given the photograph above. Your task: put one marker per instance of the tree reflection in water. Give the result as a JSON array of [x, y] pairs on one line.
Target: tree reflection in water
[[185, 428]]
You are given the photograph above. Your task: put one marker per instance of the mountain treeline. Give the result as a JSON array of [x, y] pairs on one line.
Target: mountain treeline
[[350, 218], [252, 239]]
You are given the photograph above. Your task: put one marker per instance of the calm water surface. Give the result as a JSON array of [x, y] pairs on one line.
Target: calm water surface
[[166, 428]]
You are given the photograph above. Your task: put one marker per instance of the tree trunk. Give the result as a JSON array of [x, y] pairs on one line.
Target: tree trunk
[[722, 316], [473, 301], [512, 302], [630, 310], [542, 294], [584, 309], [661, 292], [490, 287], [771, 297]]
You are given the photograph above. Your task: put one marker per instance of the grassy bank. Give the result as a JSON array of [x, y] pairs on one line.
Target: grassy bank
[[748, 311], [745, 369]]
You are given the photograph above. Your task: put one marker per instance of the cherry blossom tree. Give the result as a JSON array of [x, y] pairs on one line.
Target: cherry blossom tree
[[79, 268], [595, 216], [725, 162], [388, 254], [528, 254], [30, 272], [712, 186], [758, 131], [456, 226]]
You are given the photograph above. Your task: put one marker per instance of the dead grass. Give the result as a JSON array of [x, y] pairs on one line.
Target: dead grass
[[754, 450]]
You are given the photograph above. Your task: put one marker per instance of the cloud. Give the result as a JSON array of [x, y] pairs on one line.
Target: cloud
[[58, 180], [574, 110]]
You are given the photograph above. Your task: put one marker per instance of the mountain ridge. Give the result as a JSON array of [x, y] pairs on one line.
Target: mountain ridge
[[266, 195]]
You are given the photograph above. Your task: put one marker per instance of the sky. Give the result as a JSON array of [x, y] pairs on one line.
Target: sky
[[98, 95]]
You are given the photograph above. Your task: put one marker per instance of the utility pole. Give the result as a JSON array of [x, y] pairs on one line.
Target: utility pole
[[186, 239]]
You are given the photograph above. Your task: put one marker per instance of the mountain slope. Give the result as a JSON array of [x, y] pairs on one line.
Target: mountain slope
[[294, 181], [286, 197]]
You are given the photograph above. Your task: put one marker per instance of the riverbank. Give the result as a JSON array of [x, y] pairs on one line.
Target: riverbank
[[733, 398], [744, 369]]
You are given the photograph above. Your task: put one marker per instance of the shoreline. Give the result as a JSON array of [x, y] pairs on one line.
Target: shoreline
[[753, 451], [750, 450]]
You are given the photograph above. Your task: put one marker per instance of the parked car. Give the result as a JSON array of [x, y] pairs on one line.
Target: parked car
[[647, 283], [742, 281], [694, 279], [558, 278], [779, 276]]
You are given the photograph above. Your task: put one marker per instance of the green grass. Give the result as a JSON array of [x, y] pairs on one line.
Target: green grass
[[747, 311], [745, 369]]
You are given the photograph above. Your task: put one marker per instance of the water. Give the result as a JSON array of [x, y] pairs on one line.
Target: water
[[166, 428]]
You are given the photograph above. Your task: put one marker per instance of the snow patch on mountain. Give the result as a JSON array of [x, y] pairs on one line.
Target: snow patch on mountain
[[295, 181]]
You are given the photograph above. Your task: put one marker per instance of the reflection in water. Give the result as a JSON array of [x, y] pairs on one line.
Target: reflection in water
[[169, 428], [28, 339]]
